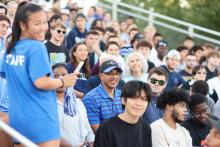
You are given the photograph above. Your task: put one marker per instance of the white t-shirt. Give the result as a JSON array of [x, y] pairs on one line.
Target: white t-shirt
[[157, 62], [214, 83], [75, 130], [153, 54], [164, 136]]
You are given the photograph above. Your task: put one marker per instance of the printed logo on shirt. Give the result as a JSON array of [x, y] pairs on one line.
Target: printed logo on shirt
[[78, 40], [57, 58], [15, 60]]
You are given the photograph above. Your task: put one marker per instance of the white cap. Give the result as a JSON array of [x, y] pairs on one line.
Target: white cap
[[2, 5], [65, 11], [173, 54]]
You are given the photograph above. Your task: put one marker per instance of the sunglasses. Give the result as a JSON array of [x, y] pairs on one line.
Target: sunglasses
[[59, 31], [160, 82], [204, 111]]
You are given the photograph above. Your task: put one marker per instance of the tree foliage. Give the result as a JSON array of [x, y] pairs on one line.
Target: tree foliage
[[199, 12]]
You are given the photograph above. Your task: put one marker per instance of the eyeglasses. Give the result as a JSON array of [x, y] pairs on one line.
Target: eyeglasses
[[160, 82], [59, 31], [199, 113]]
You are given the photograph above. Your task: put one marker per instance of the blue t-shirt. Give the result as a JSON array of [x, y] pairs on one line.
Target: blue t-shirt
[[3, 95], [3, 87], [2, 44], [32, 112]]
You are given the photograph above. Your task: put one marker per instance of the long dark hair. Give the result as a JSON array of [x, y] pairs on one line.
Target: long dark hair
[[74, 62], [22, 14]]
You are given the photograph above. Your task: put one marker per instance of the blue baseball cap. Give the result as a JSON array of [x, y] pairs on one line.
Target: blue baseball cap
[[108, 66]]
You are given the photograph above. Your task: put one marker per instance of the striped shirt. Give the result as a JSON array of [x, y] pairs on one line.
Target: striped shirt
[[100, 106], [124, 51]]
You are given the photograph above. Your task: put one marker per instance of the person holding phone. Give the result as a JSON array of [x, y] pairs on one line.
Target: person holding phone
[[26, 67], [79, 53]]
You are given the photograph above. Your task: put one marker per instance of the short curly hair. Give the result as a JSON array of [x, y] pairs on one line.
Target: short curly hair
[[172, 97]]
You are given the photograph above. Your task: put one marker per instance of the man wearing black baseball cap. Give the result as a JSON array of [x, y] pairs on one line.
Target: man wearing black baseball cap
[[103, 102]]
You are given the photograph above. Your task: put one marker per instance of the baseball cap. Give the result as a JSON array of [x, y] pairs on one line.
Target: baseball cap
[[108, 66], [139, 36], [173, 54], [3, 6], [161, 43], [65, 11]]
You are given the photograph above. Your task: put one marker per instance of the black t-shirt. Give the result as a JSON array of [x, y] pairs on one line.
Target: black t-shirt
[[118, 133], [150, 65], [197, 131], [211, 74], [186, 76], [187, 85], [57, 54]]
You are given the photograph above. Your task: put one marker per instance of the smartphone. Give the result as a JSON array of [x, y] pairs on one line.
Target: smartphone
[[79, 67]]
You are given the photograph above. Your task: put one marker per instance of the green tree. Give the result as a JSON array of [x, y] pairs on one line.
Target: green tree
[[200, 12]]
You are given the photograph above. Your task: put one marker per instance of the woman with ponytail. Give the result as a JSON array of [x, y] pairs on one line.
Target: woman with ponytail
[[32, 99]]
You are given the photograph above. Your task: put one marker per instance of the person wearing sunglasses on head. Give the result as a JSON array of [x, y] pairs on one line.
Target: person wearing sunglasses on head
[[57, 52], [157, 79]]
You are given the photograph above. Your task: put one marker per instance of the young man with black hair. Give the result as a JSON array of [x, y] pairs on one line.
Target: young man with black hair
[[144, 47], [197, 50], [197, 123], [202, 87], [167, 132], [78, 32], [188, 42], [183, 50], [130, 20], [157, 37], [189, 63], [208, 47], [92, 42], [128, 129], [4, 25]]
